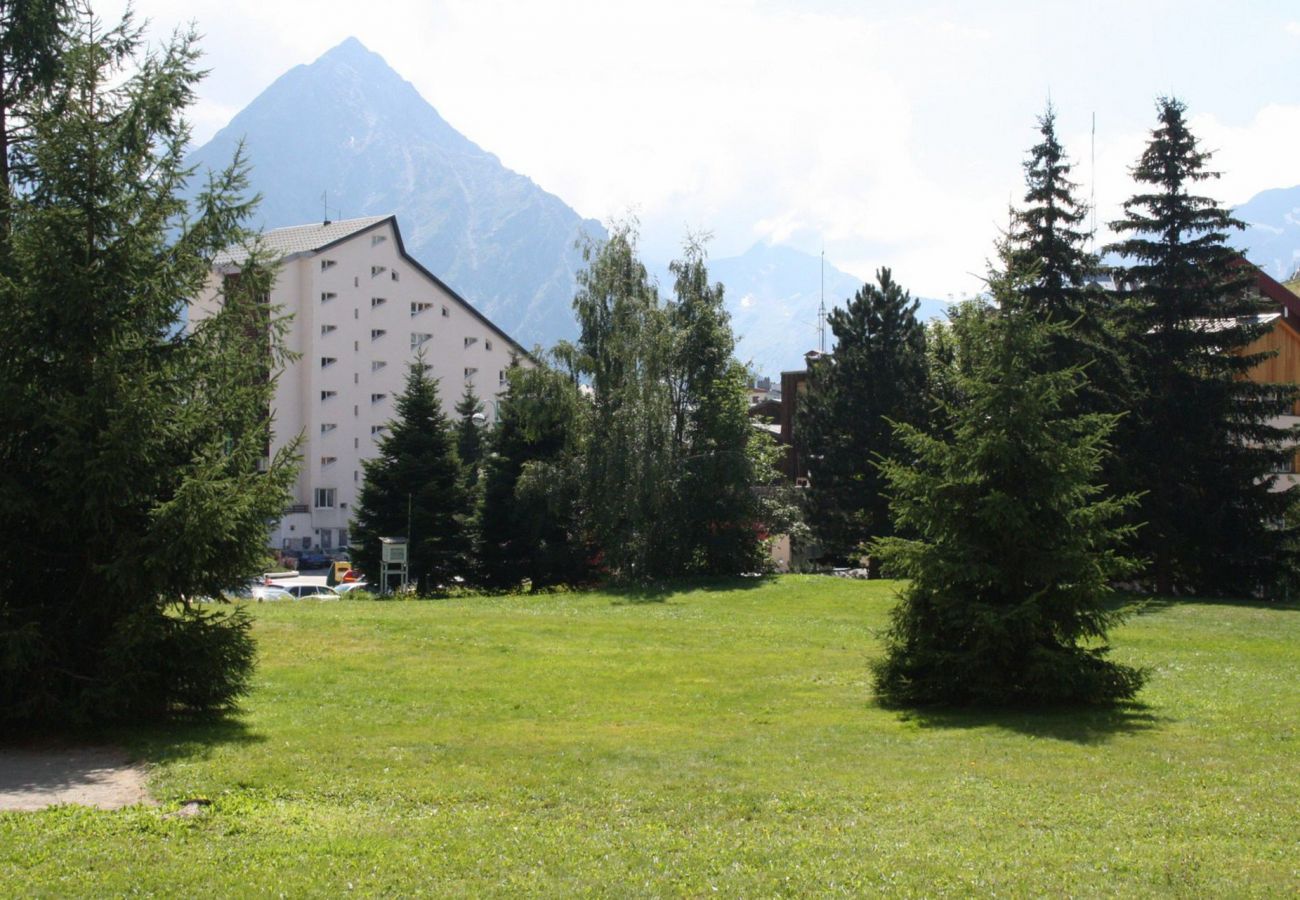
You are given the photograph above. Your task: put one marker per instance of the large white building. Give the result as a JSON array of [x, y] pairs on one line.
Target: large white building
[[362, 310]]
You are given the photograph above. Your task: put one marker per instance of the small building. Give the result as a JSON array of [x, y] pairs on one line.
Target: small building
[[362, 310]]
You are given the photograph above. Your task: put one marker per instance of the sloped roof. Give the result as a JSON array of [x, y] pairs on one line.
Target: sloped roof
[[288, 242]]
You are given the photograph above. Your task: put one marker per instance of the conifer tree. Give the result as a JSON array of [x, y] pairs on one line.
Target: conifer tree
[[876, 375], [469, 433], [130, 447], [1009, 572], [1197, 440], [415, 489], [528, 523]]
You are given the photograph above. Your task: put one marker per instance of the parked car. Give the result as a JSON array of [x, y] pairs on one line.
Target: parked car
[[348, 587], [261, 592], [313, 561], [311, 592]]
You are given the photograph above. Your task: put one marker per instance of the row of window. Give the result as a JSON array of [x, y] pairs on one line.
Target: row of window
[[418, 340]]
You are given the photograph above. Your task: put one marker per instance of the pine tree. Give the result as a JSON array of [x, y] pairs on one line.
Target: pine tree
[[1198, 439], [1009, 575], [877, 375], [469, 433], [129, 447], [528, 523], [415, 489]]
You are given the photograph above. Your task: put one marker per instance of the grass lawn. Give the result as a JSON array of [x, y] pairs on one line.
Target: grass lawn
[[717, 739]]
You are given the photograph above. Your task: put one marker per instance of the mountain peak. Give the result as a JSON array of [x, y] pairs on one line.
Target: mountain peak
[[353, 52]]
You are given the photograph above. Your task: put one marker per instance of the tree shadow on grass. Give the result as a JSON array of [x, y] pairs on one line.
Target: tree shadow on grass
[[1077, 724], [1145, 605], [664, 591], [185, 737]]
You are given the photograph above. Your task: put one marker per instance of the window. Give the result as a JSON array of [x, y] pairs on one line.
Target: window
[[417, 308], [376, 398], [471, 341], [356, 443], [343, 537], [356, 377], [487, 345], [446, 314], [327, 361], [377, 239], [328, 461], [419, 340], [325, 395], [325, 498], [326, 329], [377, 333], [469, 372], [501, 376], [356, 345], [376, 271], [377, 365], [378, 429], [394, 274], [327, 296], [356, 314], [327, 264], [327, 427], [377, 301], [426, 368]]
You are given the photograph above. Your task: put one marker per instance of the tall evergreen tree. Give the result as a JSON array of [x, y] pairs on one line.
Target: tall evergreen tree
[[129, 447], [415, 488], [528, 521], [1015, 538], [469, 433], [1198, 439], [877, 375]]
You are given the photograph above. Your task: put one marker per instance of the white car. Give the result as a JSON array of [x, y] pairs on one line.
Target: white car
[[310, 592], [348, 587], [260, 592]]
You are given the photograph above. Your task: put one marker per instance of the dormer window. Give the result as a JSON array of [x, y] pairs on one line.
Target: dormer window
[[377, 333]]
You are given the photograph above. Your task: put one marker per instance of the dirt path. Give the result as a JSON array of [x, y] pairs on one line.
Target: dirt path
[[36, 777]]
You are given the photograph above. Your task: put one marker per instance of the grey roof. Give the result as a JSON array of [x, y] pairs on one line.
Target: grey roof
[[287, 242]]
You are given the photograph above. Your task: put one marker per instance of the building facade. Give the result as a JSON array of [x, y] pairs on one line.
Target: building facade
[[361, 310]]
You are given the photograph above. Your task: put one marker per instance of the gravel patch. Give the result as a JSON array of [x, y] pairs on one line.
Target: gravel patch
[[33, 778]]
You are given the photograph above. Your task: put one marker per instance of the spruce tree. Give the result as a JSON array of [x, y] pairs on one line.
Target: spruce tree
[[130, 447], [1009, 574], [528, 523], [1198, 440], [415, 489], [877, 375], [469, 433]]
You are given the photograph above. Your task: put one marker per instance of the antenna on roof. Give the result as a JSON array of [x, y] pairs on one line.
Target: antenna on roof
[[325, 208]]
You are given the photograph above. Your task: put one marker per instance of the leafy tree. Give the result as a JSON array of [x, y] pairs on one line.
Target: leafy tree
[[415, 488], [625, 348], [877, 375], [670, 458], [129, 447], [1009, 575], [718, 460], [528, 521], [1198, 439]]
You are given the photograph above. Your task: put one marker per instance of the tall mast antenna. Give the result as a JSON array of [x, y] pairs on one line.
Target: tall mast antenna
[[821, 309]]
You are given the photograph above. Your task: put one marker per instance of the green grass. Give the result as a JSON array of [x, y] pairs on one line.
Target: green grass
[[720, 739]]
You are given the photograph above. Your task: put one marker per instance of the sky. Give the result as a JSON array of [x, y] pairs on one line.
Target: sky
[[886, 133]]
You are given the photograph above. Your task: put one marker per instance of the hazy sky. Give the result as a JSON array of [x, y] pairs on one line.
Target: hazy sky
[[891, 133]]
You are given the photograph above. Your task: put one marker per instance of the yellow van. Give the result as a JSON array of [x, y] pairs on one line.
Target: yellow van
[[338, 571]]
